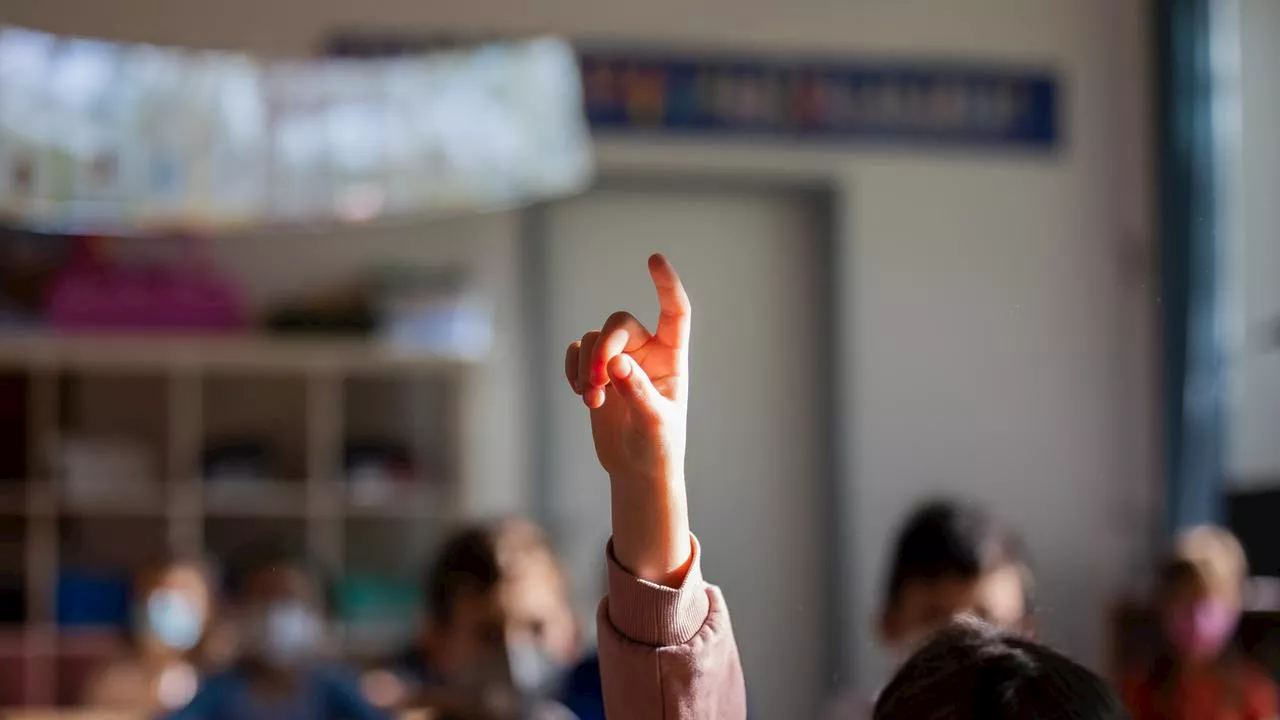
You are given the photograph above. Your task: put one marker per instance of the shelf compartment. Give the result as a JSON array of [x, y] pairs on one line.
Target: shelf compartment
[[254, 427], [229, 540]]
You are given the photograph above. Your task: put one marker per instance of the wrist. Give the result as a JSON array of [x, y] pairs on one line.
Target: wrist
[[651, 528]]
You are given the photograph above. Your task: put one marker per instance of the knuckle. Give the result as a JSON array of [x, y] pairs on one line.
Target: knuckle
[[621, 317]]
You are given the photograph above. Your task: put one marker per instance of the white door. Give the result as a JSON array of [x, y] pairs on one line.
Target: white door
[[749, 262]]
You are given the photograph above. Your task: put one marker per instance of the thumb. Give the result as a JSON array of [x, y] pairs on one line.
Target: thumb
[[633, 383]]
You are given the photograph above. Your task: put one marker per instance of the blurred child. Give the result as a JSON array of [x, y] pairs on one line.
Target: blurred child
[[951, 559], [501, 629], [173, 607], [1199, 675], [972, 671], [281, 674]]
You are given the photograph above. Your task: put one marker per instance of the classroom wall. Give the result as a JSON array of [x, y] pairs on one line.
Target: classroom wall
[[997, 336], [1254, 245]]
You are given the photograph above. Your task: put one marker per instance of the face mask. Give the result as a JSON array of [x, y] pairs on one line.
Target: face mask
[[173, 620], [533, 672], [1204, 629], [284, 634], [510, 681]]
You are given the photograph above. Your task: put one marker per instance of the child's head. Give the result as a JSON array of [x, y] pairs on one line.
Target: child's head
[[972, 671], [1199, 593], [953, 559], [173, 607], [496, 591], [280, 598]]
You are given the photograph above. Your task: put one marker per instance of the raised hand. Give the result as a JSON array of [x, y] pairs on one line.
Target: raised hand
[[636, 384]]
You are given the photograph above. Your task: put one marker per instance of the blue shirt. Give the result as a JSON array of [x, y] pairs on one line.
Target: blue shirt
[[323, 694], [583, 691]]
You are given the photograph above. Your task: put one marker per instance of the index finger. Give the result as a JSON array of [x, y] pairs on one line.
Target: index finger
[[676, 317]]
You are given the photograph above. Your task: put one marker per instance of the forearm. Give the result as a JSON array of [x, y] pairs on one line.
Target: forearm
[[651, 528]]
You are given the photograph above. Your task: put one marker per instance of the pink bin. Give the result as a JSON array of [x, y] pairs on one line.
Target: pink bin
[[95, 292]]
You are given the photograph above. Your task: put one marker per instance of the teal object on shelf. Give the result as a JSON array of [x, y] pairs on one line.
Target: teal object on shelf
[[363, 598]]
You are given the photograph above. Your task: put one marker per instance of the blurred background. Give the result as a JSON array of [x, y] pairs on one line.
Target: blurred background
[[1071, 319]]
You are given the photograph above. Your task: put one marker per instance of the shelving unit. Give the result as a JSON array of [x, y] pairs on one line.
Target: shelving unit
[[306, 398]]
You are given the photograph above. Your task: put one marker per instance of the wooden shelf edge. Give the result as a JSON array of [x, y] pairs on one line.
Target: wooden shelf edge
[[215, 352]]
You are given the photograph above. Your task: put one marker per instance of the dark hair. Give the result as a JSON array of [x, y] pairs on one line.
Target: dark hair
[[477, 558], [970, 671], [950, 539]]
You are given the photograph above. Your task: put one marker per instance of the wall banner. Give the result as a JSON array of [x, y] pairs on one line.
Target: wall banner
[[710, 95], [899, 102]]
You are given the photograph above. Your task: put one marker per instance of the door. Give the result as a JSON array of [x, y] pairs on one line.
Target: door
[[750, 262]]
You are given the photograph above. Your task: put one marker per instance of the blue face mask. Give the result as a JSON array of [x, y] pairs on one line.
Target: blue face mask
[[173, 620]]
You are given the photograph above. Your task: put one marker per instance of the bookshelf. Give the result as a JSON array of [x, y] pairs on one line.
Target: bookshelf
[[171, 398]]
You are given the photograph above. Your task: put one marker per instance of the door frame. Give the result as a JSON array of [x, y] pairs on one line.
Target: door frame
[[830, 293]]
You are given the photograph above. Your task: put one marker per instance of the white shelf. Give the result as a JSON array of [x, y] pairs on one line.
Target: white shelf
[[301, 398], [416, 499], [266, 498], [106, 507], [217, 353]]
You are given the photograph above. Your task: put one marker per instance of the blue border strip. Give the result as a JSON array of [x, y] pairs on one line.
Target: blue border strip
[[1192, 377]]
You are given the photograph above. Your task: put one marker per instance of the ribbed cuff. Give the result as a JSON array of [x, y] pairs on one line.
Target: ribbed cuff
[[654, 614]]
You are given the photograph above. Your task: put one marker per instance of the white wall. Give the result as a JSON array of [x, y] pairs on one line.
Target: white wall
[[1254, 410], [998, 333]]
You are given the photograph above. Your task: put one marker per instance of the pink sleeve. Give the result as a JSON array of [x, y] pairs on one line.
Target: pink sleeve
[[668, 654]]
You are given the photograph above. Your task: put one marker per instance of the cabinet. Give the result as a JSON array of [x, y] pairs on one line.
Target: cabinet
[[307, 407]]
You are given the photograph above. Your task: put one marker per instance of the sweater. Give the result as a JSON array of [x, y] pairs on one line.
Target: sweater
[[668, 653]]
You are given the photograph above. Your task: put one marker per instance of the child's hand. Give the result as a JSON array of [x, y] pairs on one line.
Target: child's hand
[[637, 387]]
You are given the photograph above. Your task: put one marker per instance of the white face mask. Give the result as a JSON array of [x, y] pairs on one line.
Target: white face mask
[[284, 634], [512, 680], [533, 672], [173, 619]]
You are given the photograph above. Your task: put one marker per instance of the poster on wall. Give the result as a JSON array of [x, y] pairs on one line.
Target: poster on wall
[[725, 96]]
